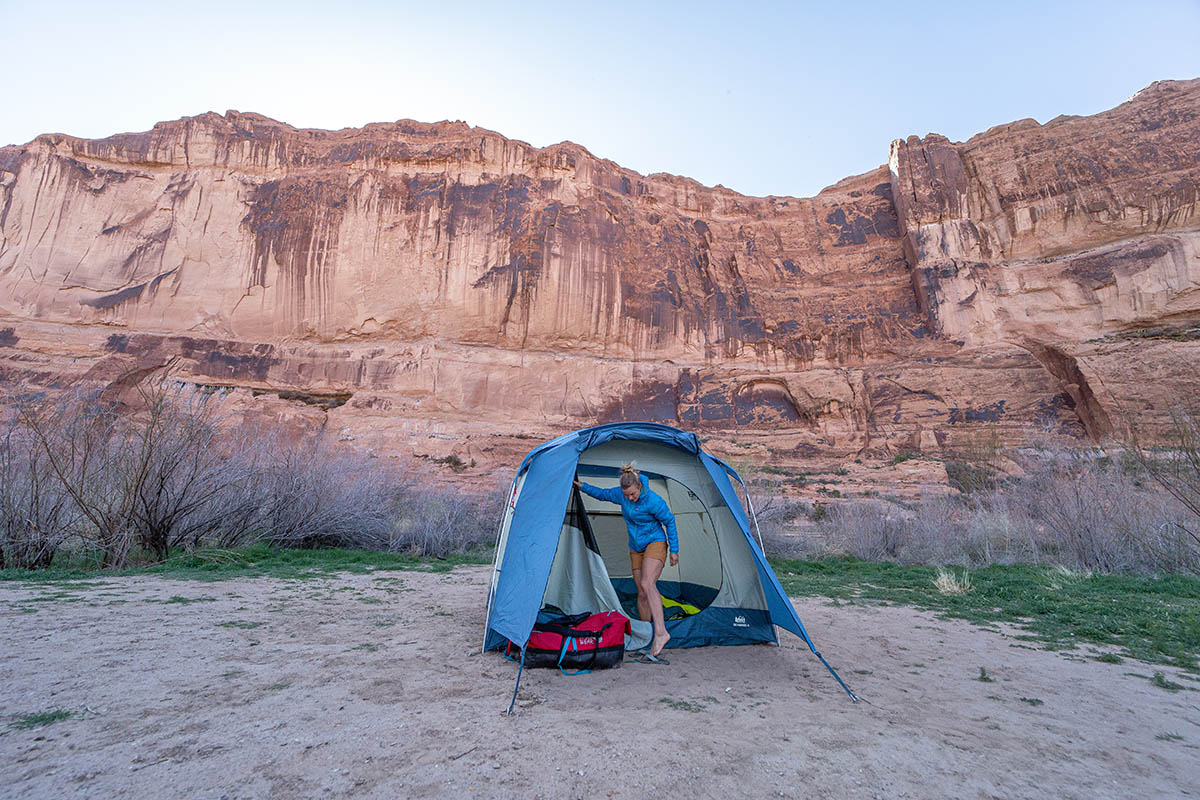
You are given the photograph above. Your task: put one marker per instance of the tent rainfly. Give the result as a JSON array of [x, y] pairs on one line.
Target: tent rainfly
[[560, 549]]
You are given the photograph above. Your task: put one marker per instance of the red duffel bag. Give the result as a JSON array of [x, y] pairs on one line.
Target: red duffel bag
[[580, 642]]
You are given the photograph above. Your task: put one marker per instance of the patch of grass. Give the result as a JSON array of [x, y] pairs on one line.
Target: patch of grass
[[178, 599], [1151, 618], [370, 647], [65, 597], [984, 677], [258, 560], [1169, 736], [233, 623], [276, 687], [42, 718], [1109, 658], [682, 705], [1033, 701], [1162, 682]]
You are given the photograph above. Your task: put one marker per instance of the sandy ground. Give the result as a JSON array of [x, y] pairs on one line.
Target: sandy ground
[[372, 686]]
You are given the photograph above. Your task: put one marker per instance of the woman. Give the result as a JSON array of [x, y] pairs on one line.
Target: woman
[[646, 516]]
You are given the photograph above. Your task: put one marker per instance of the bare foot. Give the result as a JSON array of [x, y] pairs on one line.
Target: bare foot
[[660, 642]]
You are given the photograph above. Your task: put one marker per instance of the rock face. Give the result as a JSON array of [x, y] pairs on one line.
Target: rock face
[[438, 287]]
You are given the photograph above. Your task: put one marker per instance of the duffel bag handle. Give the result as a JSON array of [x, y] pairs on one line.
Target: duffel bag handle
[[564, 630], [569, 640]]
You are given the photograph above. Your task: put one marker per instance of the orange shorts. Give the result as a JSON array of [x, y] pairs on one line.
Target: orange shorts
[[653, 550]]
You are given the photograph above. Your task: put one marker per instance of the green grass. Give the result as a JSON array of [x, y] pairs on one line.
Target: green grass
[[1033, 701], [43, 718], [1161, 682], [682, 705], [1153, 619], [177, 599], [258, 560], [984, 677]]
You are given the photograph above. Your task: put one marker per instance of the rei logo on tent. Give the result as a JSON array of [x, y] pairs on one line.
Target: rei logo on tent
[[740, 622]]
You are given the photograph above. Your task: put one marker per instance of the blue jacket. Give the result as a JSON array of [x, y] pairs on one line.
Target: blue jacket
[[645, 519]]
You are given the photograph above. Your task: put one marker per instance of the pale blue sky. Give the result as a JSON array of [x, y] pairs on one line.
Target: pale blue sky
[[765, 98]]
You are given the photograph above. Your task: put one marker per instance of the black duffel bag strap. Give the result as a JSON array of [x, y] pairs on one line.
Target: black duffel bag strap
[[564, 620], [578, 633], [563, 630]]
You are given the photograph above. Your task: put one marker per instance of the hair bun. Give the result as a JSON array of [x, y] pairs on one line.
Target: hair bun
[[630, 468]]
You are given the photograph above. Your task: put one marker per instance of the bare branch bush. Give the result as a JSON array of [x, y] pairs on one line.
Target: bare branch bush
[[1079, 510], [1176, 468], [37, 516], [777, 514], [313, 495], [868, 529], [436, 521], [974, 463], [164, 471], [92, 460], [187, 477]]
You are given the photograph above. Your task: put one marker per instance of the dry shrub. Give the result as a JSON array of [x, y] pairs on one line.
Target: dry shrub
[[160, 472], [312, 495], [873, 530], [974, 463], [775, 514], [37, 516], [437, 521], [1079, 510], [1176, 468]]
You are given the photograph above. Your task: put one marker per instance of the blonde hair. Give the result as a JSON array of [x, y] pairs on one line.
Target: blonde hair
[[630, 476]]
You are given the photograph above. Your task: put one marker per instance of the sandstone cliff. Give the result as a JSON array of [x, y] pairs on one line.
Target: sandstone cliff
[[437, 287]]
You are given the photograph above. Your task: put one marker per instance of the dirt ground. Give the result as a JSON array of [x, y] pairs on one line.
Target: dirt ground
[[372, 686]]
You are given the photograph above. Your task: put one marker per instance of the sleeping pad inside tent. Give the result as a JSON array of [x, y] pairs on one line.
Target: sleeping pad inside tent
[[559, 550]]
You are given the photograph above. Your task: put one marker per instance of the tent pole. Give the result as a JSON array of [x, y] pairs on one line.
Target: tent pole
[[753, 516], [487, 617], [832, 672]]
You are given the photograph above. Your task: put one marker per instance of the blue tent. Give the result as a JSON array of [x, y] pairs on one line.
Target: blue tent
[[561, 550]]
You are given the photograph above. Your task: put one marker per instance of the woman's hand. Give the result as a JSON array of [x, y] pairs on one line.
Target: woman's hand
[[578, 485], [674, 559]]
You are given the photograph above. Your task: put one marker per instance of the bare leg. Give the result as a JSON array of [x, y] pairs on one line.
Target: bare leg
[[648, 585], [643, 603]]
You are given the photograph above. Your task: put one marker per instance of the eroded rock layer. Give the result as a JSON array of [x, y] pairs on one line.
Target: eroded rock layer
[[441, 289]]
